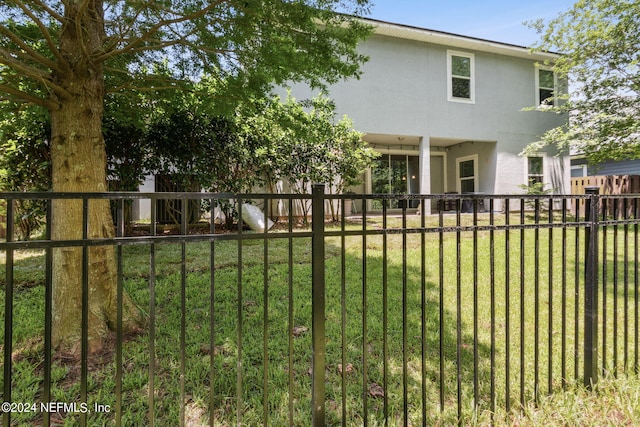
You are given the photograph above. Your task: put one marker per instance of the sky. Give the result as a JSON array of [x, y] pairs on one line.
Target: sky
[[496, 20]]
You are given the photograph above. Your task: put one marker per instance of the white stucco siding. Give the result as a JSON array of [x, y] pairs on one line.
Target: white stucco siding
[[504, 88], [486, 164], [391, 95], [403, 91], [512, 172]]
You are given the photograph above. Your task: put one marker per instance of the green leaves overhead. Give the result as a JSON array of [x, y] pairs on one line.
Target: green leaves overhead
[[600, 45], [246, 46]]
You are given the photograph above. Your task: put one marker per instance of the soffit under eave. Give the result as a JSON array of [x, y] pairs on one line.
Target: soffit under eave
[[460, 42]]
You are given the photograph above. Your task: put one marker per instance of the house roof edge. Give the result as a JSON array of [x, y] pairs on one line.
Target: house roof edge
[[409, 32]]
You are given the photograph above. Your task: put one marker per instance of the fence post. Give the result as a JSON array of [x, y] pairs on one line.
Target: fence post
[[591, 288], [318, 305]]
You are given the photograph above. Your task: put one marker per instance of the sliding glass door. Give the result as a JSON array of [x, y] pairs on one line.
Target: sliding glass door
[[396, 174]]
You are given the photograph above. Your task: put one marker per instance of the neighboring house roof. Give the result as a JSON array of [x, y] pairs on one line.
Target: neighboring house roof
[[408, 32]]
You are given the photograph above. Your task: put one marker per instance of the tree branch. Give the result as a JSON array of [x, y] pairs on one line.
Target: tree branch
[[33, 73], [7, 58], [45, 32], [43, 102], [134, 46], [32, 53], [44, 7]]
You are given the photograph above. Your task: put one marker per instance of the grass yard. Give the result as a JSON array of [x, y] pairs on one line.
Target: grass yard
[[426, 326]]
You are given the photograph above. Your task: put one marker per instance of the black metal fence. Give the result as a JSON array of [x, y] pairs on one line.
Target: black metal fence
[[382, 317]]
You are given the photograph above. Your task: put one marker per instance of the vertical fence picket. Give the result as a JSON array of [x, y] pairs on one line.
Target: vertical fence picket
[[405, 326], [614, 312], [551, 308], [636, 283], [436, 314], [152, 318], [365, 359], [522, 304], [84, 328], [576, 295], [318, 306], [476, 361], [625, 283], [8, 314], [423, 313], [385, 310], [459, 314], [119, 310], [290, 324], [563, 334], [536, 303], [605, 280], [48, 316], [492, 310], [240, 320], [183, 203], [591, 291], [265, 318], [212, 315], [441, 323], [507, 311], [343, 313]]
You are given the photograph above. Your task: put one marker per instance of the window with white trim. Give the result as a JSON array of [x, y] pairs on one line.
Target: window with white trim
[[467, 174], [578, 171], [460, 70], [535, 174], [545, 87]]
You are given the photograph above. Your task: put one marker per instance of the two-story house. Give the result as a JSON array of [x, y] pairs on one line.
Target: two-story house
[[448, 113], [451, 113]]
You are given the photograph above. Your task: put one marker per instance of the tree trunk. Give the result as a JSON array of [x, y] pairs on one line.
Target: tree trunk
[[79, 165]]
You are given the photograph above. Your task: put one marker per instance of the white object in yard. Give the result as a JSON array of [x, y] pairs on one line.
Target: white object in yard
[[254, 218]]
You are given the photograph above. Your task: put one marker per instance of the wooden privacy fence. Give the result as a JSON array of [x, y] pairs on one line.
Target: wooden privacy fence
[[611, 185]]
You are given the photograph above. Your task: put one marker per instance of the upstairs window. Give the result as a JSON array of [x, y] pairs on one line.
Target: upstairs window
[[461, 79], [546, 87]]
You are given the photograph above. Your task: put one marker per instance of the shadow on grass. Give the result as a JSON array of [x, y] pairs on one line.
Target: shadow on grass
[[415, 358], [236, 344]]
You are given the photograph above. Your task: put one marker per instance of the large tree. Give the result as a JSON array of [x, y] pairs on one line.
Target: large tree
[[55, 54], [600, 45]]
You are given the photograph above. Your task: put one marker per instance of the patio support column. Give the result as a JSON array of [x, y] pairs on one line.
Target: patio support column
[[425, 169]]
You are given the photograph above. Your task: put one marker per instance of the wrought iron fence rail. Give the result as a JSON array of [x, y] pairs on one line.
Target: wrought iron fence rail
[[578, 287], [147, 240]]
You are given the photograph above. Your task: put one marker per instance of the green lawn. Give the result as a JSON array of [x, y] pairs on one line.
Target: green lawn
[[438, 334]]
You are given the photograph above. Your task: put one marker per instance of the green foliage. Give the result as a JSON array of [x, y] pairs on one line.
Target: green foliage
[[207, 151], [599, 41], [297, 142], [157, 58], [203, 152], [534, 188], [25, 163], [305, 145], [244, 47]]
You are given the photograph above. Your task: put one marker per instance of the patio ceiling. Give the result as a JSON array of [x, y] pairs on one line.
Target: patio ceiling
[[412, 142]]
